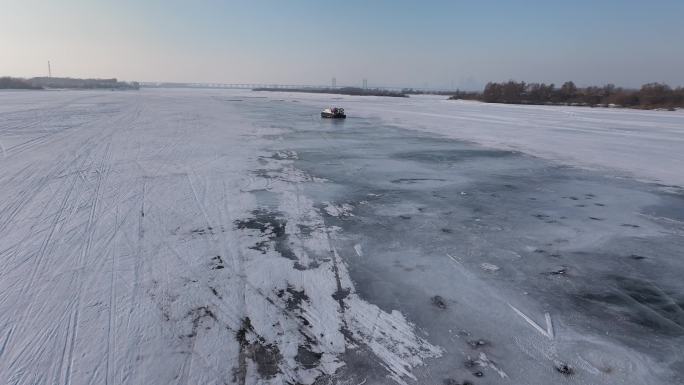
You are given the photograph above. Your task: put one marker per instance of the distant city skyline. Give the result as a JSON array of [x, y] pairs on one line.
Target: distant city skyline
[[437, 44]]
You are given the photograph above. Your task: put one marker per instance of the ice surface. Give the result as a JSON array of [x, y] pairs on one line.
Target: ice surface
[[219, 237], [642, 144]]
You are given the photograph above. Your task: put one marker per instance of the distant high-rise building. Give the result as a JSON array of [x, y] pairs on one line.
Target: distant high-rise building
[[365, 83], [334, 82]]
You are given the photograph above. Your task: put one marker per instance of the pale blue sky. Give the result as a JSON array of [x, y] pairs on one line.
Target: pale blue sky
[[400, 42]]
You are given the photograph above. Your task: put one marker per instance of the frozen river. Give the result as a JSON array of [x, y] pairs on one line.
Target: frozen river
[[224, 237]]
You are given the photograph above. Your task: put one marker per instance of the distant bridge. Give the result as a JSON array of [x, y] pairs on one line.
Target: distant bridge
[[249, 86], [223, 85]]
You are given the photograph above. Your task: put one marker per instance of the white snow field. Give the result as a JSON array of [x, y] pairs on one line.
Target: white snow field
[[232, 237]]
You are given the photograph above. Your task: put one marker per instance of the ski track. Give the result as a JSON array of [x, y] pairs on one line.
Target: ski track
[[155, 238]]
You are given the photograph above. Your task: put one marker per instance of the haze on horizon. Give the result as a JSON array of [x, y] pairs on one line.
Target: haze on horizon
[[402, 43]]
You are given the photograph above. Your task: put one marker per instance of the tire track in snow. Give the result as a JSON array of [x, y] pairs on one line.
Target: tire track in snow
[[59, 221], [133, 347], [186, 367], [238, 261], [35, 185], [129, 369], [4, 343], [102, 173], [53, 226], [44, 116], [111, 337], [60, 218], [9, 213], [33, 188]]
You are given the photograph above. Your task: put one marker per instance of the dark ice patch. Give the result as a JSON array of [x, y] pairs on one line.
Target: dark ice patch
[[305, 230], [415, 180], [643, 303], [201, 231], [284, 155], [451, 381], [266, 356], [563, 368], [439, 302], [341, 294], [293, 297], [217, 263], [560, 271], [215, 292], [267, 173], [197, 316], [450, 156], [308, 358], [272, 226], [672, 207], [477, 344], [299, 266], [262, 246]]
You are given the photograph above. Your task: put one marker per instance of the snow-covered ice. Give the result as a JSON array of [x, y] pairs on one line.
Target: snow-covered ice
[[220, 237]]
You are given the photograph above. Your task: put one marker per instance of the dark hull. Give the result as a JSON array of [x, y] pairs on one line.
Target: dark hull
[[333, 116]]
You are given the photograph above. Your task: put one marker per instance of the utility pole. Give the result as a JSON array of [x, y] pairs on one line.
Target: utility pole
[[49, 70]]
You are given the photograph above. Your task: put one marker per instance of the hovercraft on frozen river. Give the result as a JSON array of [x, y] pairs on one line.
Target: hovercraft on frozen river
[[333, 113]]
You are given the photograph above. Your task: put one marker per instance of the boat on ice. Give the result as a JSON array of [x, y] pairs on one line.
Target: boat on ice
[[333, 113]]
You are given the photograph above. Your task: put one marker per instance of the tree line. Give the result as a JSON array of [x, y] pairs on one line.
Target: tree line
[[7, 82], [39, 83], [649, 96]]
